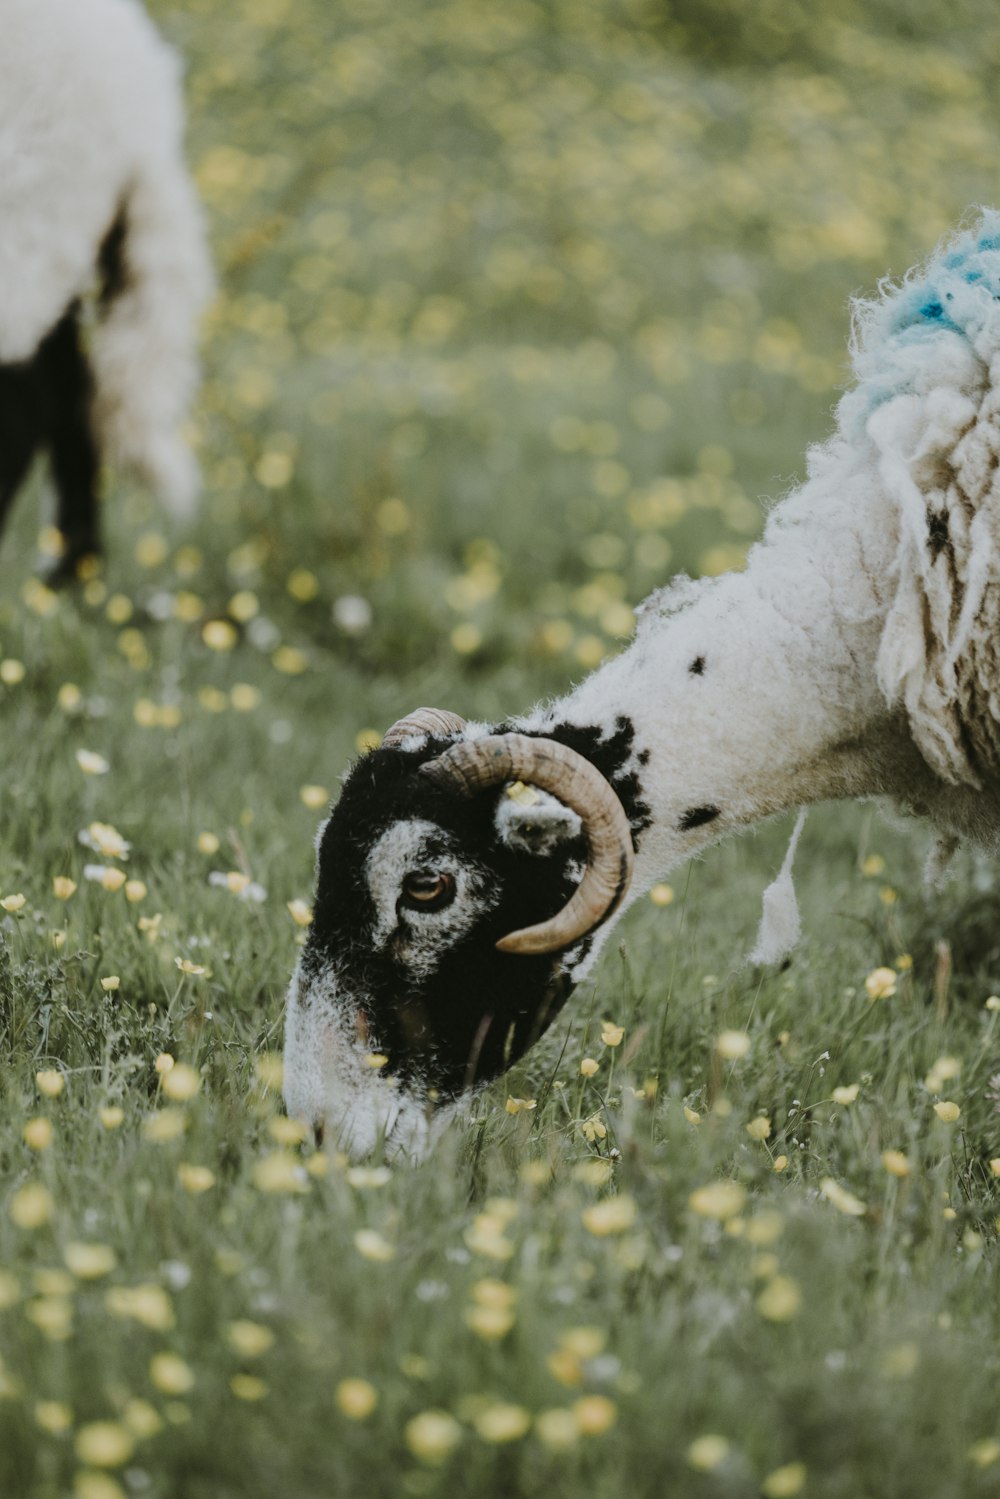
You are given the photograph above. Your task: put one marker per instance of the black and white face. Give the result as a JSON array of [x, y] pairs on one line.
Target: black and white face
[[401, 1001]]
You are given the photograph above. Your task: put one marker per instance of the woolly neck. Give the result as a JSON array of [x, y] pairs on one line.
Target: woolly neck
[[750, 695], [744, 702]]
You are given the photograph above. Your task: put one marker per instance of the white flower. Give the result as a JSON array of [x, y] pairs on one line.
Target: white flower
[[104, 839], [91, 763], [238, 884], [352, 613]]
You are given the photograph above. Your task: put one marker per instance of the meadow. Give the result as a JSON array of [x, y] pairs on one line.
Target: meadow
[[522, 308]]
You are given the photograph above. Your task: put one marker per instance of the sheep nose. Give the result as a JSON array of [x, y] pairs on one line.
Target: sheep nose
[[319, 1130]]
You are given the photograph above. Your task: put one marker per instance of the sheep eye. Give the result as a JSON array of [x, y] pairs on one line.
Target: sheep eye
[[428, 890]]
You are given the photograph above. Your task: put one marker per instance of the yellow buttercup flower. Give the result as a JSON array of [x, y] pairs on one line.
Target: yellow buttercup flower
[[54, 1416], [196, 970], [356, 1398], [105, 839], [881, 983], [720, 1200], [219, 634], [50, 1082], [165, 1126], [612, 1216], [521, 1105], [314, 797], [985, 1453], [502, 1422], [181, 1082], [104, 1444], [489, 1322], [249, 1339], [89, 1261], [146, 1303], [780, 1300], [280, 1171], [170, 1374], [842, 1200], [557, 1428], [248, 1387], [784, 1483], [594, 1415], [732, 1046], [31, 1206], [371, 1245], [37, 1133], [708, 1452], [845, 1095], [91, 1483], [432, 1436], [195, 1179], [142, 1419]]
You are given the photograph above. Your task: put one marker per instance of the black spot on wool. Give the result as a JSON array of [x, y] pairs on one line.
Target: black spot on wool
[[697, 666], [937, 533], [695, 817]]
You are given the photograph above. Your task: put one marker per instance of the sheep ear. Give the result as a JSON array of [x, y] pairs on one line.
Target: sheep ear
[[533, 822]]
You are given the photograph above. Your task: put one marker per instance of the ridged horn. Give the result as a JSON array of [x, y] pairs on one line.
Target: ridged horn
[[475, 765], [434, 721]]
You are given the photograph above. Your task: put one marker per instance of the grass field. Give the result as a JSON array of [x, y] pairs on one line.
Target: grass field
[[523, 307]]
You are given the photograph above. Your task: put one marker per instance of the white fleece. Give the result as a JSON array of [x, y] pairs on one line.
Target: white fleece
[[91, 123], [859, 653]]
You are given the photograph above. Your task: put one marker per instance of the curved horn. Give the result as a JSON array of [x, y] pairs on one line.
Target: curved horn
[[436, 722], [477, 764]]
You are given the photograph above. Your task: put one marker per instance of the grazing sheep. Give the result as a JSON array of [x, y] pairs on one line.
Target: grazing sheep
[[469, 873], [94, 196]]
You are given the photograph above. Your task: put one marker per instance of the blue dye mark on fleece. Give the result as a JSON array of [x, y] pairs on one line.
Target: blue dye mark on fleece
[[899, 335]]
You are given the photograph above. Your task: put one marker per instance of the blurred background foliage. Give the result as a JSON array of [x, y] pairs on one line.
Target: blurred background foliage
[[522, 308]]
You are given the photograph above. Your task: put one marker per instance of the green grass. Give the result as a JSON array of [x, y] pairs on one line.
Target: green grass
[[524, 307]]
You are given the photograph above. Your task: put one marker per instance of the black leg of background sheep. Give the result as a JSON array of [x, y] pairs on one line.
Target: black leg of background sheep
[[68, 394], [46, 402]]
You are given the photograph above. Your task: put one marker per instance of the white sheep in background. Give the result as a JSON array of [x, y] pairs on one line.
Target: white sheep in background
[[858, 655], [94, 195]]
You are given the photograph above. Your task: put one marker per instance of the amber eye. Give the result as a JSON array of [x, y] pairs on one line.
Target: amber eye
[[428, 890]]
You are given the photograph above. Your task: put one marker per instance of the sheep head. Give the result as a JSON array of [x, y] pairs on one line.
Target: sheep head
[[458, 879]]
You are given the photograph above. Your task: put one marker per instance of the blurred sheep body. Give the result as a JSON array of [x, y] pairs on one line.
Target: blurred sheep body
[[856, 656], [94, 196]]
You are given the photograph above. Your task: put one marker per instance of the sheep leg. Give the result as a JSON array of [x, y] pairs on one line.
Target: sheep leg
[[20, 429], [69, 394]]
